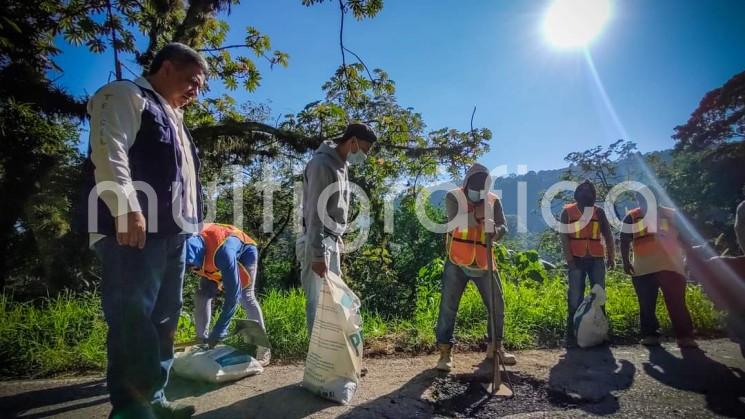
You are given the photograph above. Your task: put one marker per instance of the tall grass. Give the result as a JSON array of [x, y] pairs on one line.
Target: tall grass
[[58, 335], [67, 333]]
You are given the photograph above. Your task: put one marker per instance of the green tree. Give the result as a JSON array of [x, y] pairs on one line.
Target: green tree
[[599, 164], [718, 119], [229, 133], [705, 177], [37, 164]]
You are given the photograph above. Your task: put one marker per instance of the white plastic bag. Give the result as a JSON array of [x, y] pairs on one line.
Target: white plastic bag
[[217, 365], [590, 321], [332, 367]]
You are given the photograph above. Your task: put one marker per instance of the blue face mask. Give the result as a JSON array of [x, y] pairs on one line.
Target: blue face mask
[[474, 195], [358, 157]]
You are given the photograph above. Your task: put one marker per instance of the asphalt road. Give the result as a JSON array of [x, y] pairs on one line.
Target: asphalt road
[[624, 381]]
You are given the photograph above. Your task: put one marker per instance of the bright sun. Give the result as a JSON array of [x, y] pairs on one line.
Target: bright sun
[[574, 23]]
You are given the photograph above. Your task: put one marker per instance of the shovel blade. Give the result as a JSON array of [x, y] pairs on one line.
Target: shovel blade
[[496, 387], [499, 390], [252, 333]]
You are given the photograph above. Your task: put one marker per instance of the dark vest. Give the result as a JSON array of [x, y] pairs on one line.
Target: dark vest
[[154, 158]]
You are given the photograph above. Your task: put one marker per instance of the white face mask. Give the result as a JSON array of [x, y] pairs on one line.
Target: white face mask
[[475, 195], [358, 157]]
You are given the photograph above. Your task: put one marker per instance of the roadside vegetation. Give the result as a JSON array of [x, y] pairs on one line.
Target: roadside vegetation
[[66, 334]]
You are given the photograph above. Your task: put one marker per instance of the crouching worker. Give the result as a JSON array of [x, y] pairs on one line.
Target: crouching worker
[[226, 258], [658, 249], [588, 248], [467, 259]]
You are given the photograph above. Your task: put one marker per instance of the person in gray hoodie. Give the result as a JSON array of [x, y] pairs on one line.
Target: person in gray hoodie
[[318, 248], [478, 217]]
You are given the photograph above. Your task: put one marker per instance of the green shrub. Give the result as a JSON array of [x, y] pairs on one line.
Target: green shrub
[[61, 334], [68, 334]]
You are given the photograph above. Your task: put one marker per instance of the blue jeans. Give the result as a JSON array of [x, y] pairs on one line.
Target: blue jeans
[[141, 297], [592, 268], [454, 281]]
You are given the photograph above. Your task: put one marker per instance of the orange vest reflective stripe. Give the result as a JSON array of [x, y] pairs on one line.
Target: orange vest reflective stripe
[[467, 246], [214, 235], [645, 243], [584, 241]]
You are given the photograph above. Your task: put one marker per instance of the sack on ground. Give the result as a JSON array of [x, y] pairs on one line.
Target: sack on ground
[[332, 367], [217, 365], [590, 321]]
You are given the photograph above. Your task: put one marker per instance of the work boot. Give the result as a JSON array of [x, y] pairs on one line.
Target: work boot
[[445, 363], [507, 358], [168, 410], [263, 355], [650, 341]]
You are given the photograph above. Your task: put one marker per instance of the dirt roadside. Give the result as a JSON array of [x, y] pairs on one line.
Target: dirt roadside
[[627, 381]]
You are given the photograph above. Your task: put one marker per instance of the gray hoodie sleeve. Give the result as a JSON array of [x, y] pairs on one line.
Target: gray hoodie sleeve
[[317, 177], [500, 224], [451, 206]]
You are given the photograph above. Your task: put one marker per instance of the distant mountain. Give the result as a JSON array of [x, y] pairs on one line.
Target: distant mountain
[[536, 183]]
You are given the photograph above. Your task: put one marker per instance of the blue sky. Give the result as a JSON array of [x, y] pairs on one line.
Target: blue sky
[[655, 60]]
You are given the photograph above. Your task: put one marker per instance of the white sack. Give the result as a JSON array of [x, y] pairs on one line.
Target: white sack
[[217, 365], [332, 367], [590, 321]]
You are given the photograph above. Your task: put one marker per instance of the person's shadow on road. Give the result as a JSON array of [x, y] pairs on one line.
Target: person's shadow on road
[[179, 387], [589, 377], [294, 402], [290, 402], [406, 401], [723, 386], [55, 401]]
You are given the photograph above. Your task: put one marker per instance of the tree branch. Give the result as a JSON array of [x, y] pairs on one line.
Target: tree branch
[[274, 237], [341, 46], [207, 136], [224, 48], [195, 17]]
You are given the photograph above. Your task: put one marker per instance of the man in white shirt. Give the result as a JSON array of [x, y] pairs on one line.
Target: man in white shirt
[[144, 201]]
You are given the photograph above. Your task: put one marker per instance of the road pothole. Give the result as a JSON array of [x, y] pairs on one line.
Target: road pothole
[[463, 396]]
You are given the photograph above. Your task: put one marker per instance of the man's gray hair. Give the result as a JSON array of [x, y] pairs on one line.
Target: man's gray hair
[[179, 54]]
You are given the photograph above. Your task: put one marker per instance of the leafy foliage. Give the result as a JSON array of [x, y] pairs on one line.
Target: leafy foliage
[[718, 119], [38, 174], [707, 185], [599, 164], [67, 333], [360, 8], [706, 177]]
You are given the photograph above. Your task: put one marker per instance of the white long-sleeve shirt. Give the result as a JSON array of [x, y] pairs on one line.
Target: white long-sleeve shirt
[[116, 114]]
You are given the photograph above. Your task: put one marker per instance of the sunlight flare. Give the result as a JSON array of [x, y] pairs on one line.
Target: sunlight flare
[[575, 23]]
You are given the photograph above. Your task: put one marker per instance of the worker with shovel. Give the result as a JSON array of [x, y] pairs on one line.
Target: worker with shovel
[[476, 217], [226, 258]]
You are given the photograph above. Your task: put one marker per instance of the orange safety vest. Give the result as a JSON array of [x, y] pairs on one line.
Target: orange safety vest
[[214, 236], [585, 240], [467, 246], [665, 239]]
